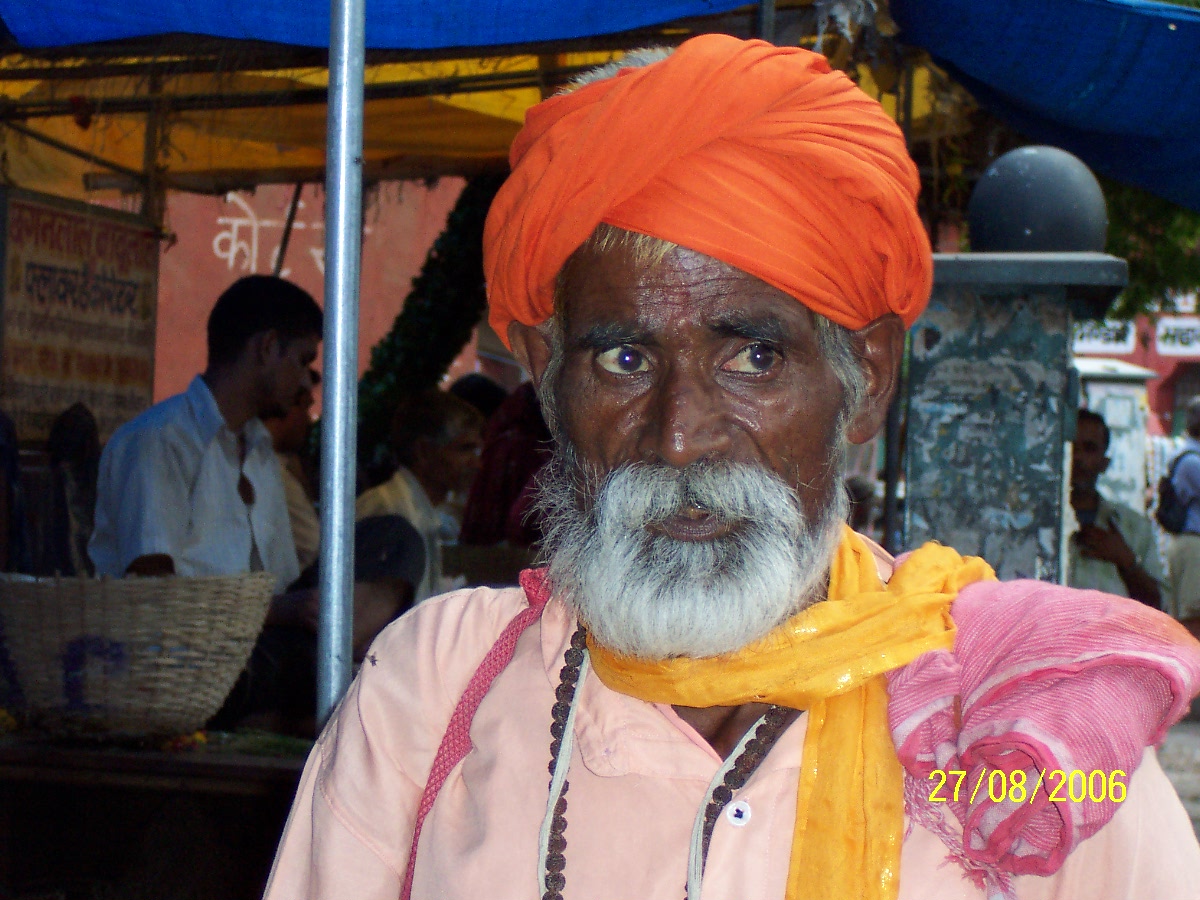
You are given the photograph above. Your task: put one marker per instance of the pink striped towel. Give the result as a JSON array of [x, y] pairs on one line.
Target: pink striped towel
[[1041, 678]]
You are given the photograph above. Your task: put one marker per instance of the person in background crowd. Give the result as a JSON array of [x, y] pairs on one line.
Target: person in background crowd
[[1183, 555], [10, 526], [707, 264], [861, 491], [74, 446], [436, 439], [486, 396], [277, 689], [192, 485], [1115, 549], [480, 391], [516, 445], [289, 435]]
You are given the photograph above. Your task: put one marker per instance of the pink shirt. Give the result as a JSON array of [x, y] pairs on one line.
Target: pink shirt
[[638, 776]]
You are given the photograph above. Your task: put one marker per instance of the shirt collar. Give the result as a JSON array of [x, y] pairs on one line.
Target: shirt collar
[[204, 409], [419, 497], [620, 735], [210, 422]]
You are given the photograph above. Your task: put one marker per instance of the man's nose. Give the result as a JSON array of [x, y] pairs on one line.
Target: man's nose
[[686, 420]]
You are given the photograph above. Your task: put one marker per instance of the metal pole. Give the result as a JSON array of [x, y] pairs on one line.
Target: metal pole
[[281, 254], [154, 194], [765, 20], [893, 429], [343, 247]]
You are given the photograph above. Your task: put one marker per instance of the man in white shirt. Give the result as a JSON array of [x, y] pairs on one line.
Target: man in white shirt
[[1114, 550], [192, 486]]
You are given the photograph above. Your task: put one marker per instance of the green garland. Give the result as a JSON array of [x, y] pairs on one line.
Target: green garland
[[1161, 242], [445, 304]]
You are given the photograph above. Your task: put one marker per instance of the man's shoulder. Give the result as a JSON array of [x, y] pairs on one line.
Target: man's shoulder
[[1125, 514], [1023, 594], [394, 496], [420, 666], [1188, 458], [165, 421], [462, 623]]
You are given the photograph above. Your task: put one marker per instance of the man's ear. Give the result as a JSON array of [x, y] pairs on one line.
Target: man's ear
[[266, 346], [422, 450], [531, 348], [880, 349]]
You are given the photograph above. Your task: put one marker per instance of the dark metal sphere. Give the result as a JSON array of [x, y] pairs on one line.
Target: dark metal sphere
[[1037, 200]]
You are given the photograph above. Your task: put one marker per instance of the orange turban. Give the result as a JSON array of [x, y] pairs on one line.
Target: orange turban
[[760, 156]]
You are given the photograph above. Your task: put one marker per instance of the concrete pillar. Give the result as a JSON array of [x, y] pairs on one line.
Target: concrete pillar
[[991, 404]]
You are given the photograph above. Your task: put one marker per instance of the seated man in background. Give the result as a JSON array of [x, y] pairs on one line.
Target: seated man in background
[[483, 393], [1114, 550], [74, 448], [192, 486], [289, 434], [516, 445], [436, 438], [277, 689]]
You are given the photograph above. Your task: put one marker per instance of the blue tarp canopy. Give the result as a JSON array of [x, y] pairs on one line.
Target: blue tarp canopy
[[391, 24], [1116, 82]]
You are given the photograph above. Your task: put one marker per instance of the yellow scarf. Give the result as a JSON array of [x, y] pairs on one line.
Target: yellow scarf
[[830, 659]]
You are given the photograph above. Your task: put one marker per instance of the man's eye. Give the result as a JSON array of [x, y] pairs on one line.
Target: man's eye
[[753, 360], [623, 360]]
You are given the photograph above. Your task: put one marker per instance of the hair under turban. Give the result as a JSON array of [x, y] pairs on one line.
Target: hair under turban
[[760, 156]]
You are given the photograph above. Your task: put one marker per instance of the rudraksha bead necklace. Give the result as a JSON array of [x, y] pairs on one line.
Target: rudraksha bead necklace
[[733, 774]]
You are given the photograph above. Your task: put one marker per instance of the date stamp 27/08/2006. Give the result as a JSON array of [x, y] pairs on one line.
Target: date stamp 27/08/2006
[[1075, 786]]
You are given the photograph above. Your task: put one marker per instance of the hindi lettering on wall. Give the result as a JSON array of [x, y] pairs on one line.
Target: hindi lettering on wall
[[78, 311]]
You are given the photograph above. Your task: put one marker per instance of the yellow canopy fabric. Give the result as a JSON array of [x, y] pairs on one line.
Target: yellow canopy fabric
[[216, 149], [226, 130]]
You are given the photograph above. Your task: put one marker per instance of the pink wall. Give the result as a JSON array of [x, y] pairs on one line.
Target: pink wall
[[220, 239]]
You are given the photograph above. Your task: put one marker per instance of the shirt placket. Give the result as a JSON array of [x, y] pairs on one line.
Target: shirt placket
[[247, 495]]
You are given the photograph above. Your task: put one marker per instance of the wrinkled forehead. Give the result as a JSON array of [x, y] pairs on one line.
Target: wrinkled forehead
[[626, 285]]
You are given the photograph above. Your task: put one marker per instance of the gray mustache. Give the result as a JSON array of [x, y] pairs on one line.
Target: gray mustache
[[732, 493]]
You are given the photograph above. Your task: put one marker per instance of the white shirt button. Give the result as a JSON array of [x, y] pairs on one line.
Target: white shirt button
[[738, 813]]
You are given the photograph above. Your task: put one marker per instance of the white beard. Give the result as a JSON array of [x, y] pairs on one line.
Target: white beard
[[646, 595]]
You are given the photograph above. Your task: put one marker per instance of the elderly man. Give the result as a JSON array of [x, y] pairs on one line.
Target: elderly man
[[714, 688]]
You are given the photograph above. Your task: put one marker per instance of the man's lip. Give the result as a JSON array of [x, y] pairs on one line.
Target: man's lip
[[694, 526]]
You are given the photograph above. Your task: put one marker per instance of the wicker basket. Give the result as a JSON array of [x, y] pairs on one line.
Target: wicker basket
[[126, 657]]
